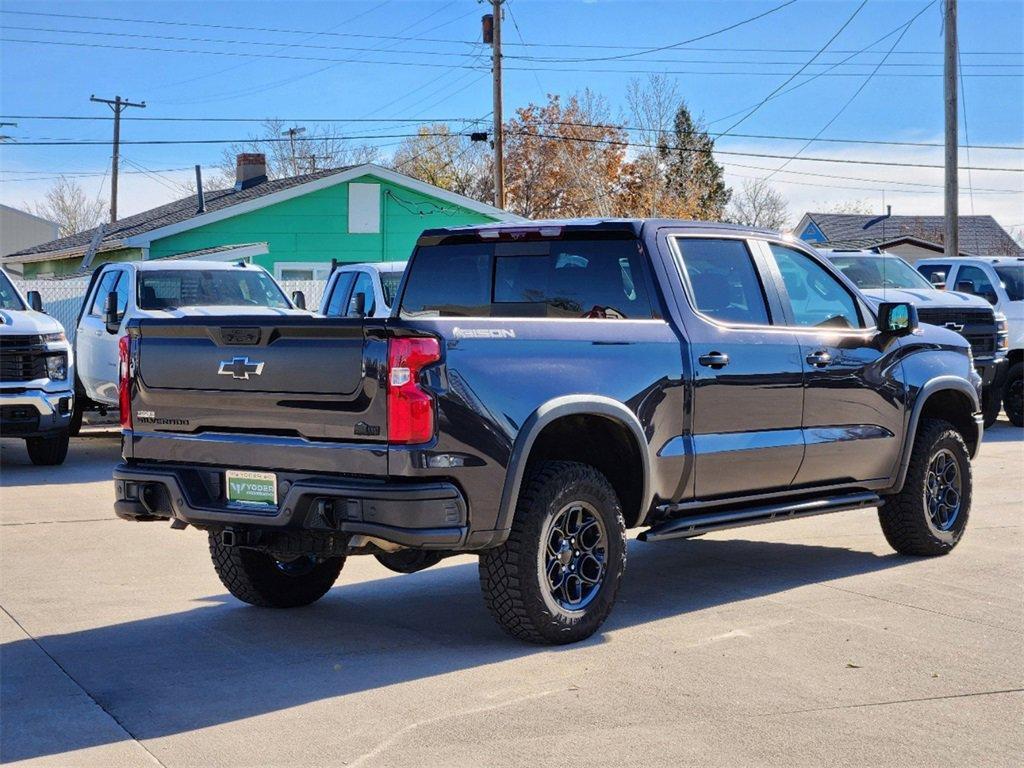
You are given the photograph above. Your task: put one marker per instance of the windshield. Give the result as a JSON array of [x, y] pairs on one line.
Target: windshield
[[1012, 279], [389, 284], [880, 272], [9, 298], [170, 289]]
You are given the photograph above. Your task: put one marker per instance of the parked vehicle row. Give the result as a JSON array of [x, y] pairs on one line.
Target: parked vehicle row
[[1000, 282], [36, 376], [536, 391], [886, 277]]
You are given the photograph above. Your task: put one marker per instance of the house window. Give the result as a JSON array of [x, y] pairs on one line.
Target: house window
[[301, 270], [364, 208]]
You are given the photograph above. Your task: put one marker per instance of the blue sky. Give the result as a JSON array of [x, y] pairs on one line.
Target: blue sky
[[297, 76]]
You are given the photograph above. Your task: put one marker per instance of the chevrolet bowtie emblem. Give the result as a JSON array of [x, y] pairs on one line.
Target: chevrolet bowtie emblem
[[955, 327], [239, 368]]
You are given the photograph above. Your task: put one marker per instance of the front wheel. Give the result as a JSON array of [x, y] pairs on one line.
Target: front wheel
[[555, 578], [929, 515], [48, 451], [257, 578], [991, 404], [1013, 395]]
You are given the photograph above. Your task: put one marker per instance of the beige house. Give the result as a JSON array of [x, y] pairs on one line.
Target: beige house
[[20, 229]]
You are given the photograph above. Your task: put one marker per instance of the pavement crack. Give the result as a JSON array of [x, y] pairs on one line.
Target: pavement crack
[[920, 608], [867, 704], [82, 688]]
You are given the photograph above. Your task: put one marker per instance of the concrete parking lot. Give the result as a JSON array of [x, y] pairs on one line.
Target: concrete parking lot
[[803, 643]]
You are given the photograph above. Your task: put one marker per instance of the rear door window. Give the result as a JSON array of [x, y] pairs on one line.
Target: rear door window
[[723, 280], [593, 279]]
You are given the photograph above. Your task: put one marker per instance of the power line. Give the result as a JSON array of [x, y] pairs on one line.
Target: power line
[[796, 74], [247, 54], [327, 33], [860, 88], [435, 120]]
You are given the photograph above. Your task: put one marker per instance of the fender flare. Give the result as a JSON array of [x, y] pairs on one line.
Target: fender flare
[[556, 408], [937, 384]]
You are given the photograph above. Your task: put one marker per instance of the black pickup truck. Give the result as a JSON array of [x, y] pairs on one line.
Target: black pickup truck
[[538, 390]]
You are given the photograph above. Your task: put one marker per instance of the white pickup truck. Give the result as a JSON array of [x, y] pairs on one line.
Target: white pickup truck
[[362, 290], [36, 371], [123, 291]]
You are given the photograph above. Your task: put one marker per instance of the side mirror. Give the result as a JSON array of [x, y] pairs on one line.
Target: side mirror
[[938, 279], [299, 299], [360, 304], [897, 318], [110, 317], [965, 286], [35, 301]]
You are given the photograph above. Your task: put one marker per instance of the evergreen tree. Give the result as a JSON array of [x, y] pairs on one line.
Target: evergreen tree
[[692, 173]]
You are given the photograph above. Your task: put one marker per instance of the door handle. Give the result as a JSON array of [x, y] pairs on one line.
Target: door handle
[[819, 359], [714, 360]]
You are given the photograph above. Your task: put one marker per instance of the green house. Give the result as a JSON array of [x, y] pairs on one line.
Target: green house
[[293, 226]]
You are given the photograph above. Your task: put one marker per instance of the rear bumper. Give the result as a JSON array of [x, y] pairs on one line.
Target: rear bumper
[[30, 413], [420, 515]]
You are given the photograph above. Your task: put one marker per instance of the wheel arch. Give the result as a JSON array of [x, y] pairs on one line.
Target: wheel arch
[[943, 396], [561, 410]]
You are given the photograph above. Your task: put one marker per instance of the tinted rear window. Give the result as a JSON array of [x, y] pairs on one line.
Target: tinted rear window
[[169, 289], [556, 279]]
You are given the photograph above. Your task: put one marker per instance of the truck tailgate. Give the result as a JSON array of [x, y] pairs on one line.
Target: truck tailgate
[[261, 392]]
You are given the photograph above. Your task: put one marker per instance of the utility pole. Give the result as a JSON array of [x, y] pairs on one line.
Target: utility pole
[[291, 133], [118, 105], [952, 239], [499, 132]]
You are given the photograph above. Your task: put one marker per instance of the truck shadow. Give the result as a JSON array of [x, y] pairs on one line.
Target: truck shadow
[[222, 661], [90, 459]]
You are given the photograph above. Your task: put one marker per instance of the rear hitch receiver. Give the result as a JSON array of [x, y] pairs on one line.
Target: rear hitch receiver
[[228, 538]]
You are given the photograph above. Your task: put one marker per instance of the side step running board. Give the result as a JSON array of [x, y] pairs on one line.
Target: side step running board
[[687, 527]]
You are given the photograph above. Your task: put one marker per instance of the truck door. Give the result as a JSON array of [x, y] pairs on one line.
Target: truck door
[[96, 347], [853, 401], [747, 399]]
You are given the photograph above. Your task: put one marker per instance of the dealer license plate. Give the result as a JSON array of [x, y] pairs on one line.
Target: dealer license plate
[[251, 488]]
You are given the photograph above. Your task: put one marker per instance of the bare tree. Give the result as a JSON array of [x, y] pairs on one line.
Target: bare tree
[[857, 207], [652, 107], [758, 204], [67, 204], [315, 149], [447, 160]]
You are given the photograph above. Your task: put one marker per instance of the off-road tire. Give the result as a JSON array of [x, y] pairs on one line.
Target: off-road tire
[[48, 451], [904, 516], [991, 404], [255, 577], [75, 425], [510, 575], [1013, 395]]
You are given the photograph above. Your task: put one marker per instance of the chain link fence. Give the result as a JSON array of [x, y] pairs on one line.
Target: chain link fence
[[62, 298]]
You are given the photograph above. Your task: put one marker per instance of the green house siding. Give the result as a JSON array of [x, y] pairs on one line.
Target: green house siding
[[314, 227], [61, 267]]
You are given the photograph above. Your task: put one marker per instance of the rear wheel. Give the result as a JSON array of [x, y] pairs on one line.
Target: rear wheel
[[555, 578], [48, 451], [929, 515], [1013, 395], [257, 578]]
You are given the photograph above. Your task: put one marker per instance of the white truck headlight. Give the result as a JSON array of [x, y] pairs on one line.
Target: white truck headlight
[[57, 367], [1002, 334]]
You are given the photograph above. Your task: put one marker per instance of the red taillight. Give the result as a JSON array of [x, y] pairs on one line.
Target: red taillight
[[410, 409], [124, 381]]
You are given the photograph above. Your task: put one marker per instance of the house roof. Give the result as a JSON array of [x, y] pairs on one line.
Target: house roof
[[979, 235], [138, 230]]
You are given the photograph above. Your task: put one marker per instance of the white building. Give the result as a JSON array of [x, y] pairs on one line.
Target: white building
[[20, 229]]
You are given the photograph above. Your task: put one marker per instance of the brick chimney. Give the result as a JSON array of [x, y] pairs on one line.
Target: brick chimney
[[250, 170]]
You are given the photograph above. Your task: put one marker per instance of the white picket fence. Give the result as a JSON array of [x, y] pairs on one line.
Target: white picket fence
[[62, 299]]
